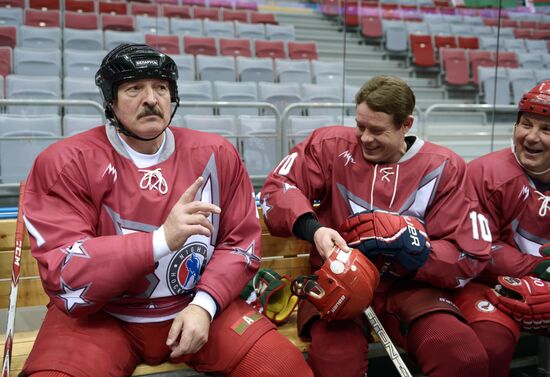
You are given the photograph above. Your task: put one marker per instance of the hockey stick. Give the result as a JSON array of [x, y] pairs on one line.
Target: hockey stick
[[387, 343], [19, 229]]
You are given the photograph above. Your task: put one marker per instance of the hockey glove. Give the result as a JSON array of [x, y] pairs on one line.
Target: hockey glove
[[542, 269], [376, 233], [270, 294], [526, 300]]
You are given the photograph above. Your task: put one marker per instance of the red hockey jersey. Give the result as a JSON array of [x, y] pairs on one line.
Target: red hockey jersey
[[426, 183], [91, 213], [519, 214]]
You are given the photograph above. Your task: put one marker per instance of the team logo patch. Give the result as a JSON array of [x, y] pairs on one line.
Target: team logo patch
[[485, 306], [243, 323], [512, 281], [186, 267]]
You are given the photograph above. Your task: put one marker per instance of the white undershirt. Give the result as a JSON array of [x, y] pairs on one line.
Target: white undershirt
[[160, 246]]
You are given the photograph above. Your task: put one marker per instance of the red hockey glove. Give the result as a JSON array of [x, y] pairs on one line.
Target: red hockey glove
[[376, 233], [542, 269], [270, 294], [526, 300], [342, 288]]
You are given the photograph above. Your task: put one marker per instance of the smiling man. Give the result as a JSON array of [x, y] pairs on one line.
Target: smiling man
[[513, 187], [401, 201], [139, 230]]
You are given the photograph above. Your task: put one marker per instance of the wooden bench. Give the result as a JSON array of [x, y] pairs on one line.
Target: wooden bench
[[286, 256]]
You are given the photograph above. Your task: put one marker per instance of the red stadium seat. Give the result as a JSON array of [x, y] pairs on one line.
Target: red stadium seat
[[84, 21], [468, 42], [330, 7], [269, 49], [81, 6], [422, 50], [42, 18], [12, 4], [528, 24], [302, 50], [541, 34], [351, 15], [200, 3], [6, 58], [118, 7], [227, 4], [447, 41], [508, 23], [262, 18], [543, 25], [479, 58], [143, 9], [118, 22], [523, 33], [169, 44], [235, 47], [246, 5], [199, 45], [206, 13], [454, 66], [234, 15], [176, 11], [8, 36], [490, 21], [371, 27], [44, 4], [507, 59]]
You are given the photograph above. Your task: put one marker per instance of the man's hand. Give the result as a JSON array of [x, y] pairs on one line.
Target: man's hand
[[188, 217], [376, 233], [526, 300], [542, 269], [325, 239], [189, 331]]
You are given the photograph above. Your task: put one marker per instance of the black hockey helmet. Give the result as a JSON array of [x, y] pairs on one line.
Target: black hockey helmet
[[131, 61]]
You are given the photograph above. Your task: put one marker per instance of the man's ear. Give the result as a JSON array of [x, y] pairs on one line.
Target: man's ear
[[407, 124]]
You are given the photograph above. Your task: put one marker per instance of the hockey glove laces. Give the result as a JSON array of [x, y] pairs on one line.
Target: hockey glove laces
[[377, 233], [270, 294]]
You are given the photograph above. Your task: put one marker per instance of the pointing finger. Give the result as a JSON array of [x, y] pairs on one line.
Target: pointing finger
[[189, 194]]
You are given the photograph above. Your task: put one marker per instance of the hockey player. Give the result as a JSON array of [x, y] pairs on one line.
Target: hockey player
[[145, 236], [513, 187], [409, 214]]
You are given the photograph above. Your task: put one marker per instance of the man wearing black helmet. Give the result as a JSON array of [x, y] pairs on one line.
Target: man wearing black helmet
[[145, 236], [513, 187]]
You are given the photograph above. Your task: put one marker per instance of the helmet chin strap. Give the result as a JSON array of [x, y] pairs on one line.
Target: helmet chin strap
[[116, 123]]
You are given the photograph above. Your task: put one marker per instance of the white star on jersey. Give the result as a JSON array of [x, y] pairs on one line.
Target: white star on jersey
[[73, 297], [265, 207], [75, 250], [247, 253]]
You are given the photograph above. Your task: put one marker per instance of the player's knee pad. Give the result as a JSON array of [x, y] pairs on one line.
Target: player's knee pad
[[272, 355], [444, 346], [338, 348]]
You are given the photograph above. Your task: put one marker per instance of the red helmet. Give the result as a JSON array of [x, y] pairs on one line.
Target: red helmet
[[537, 100], [343, 287]]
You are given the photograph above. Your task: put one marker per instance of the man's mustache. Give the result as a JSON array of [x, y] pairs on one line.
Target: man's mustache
[[150, 110]]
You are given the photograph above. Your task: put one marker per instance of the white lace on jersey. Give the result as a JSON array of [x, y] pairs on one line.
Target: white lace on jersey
[[153, 180], [545, 205]]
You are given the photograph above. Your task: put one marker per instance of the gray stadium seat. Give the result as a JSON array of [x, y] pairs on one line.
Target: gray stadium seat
[[183, 27], [236, 92], [80, 63], [224, 125], [50, 123], [33, 87], [327, 72], [280, 32], [521, 81], [215, 68], [153, 25], [114, 38], [259, 144], [322, 93], [11, 16], [39, 37], [279, 95], [249, 31], [195, 91], [76, 88], [223, 29], [487, 78], [254, 69], [395, 36], [299, 127], [530, 60], [33, 62], [88, 40], [297, 71], [186, 66], [73, 124]]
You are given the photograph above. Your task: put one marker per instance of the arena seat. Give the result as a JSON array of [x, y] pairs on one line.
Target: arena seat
[[254, 69], [279, 95], [199, 45], [80, 6], [11, 16], [236, 92], [506, 59], [494, 86], [206, 13], [73, 124], [454, 66], [297, 71], [280, 32], [44, 4], [114, 7], [514, 44], [302, 50], [41, 18], [154, 25], [215, 68], [168, 44], [83, 21], [218, 28], [468, 42], [250, 31], [246, 5], [224, 125], [35, 62], [371, 27], [12, 4], [8, 36], [523, 33], [176, 11], [113, 38], [322, 93], [50, 123], [395, 36], [269, 49], [479, 58], [186, 66], [263, 18], [82, 63], [144, 9], [222, 4], [118, 22], [196, 91], [447, 41], [6, 60], [422, 50], [235, 47], [234, 15], [78, 88], [33, 87], [186, 26], [521, 81], [299, 127], [530, 60], [259, 148], [88, 40], [325, 72], [39, 37]]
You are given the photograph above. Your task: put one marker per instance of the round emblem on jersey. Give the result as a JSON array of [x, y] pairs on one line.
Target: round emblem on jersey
[[512, 281], [186, 267], [485, 306]]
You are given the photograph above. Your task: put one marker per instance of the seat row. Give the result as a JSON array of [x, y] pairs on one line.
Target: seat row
[[162, 7], [76, 20]]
